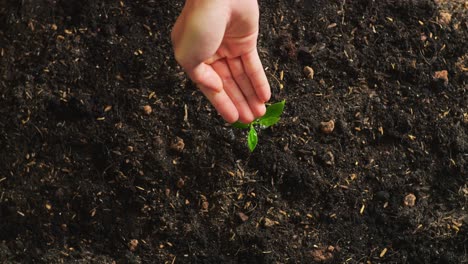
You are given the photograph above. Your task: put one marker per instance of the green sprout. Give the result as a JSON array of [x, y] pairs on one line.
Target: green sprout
[[271, 117]]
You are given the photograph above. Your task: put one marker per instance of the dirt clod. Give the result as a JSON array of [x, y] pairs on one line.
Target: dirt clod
[[309, 72], [441, 75], [180, 183], [243, 217], [329, 158], [178, 145], [205, 206], [321, 254], [445, 18], [147, 109], [423, 38], [267, 222], [410, 200], [327, 127], [132, 245]]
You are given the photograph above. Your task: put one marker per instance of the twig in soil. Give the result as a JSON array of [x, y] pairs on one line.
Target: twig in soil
[[186, 115], [281, 86]]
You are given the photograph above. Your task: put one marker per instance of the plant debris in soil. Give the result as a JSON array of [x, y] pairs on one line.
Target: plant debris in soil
[[109, 154]]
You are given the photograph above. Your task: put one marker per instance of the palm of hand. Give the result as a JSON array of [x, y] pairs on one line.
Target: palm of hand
[[219, 53]]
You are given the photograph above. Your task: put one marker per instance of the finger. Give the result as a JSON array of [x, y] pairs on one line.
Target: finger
[[206, 76], [237, 69], [254, 70], [222, 103], [230, 86]]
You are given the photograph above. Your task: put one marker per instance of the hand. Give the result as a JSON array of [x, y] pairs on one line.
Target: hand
[[215, 41]]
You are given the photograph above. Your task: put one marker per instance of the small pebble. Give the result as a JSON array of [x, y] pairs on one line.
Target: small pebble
[[445, 18], [309, 72], [133, 244], [180, 183], [321, 255], [441, 75], [178, 145], [243, 217], [329, 158], [205, 205], [147, 109], [423, 37], [410, 200], [327, 127], [268, 222]]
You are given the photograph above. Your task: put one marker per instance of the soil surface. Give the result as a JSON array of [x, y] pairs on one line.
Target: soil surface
[[109, 154]]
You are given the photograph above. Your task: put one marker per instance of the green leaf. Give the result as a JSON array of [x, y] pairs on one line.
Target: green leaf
[[240, 125], [269, 121], [274, 110], [252, 139]]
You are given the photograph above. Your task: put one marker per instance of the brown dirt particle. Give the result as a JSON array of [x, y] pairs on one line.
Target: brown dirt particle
[[410, 200], [268, 222], [327, 127], [205, 206], [423, 38], [133, 244], [309, 72], [180, 183], [441, 75], [147, 109], [445, 18], [178, 145], [243, 217], [321, 254], [329, 158], [462, 63]]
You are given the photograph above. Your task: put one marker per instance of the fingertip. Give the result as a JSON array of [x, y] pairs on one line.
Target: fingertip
[[246, 118], [259, 111], [265, 95], [230, 117]]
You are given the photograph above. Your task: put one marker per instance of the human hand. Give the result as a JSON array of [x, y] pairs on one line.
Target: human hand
[[216, 44]]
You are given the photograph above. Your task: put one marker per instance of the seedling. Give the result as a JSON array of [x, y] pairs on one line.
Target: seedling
[[271, 117]]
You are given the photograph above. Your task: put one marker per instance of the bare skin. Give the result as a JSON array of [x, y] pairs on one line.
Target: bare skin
[[215, 41]]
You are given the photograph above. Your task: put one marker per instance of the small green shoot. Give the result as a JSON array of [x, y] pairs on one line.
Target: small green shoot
[[271, 117]]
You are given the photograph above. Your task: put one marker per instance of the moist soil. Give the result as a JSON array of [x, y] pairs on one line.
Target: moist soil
[[88, 174]]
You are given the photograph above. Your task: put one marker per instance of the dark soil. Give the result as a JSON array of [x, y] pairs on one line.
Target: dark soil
[[85, 173]]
